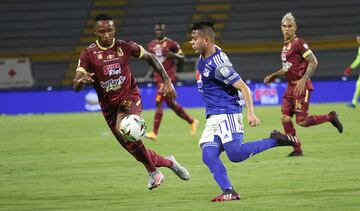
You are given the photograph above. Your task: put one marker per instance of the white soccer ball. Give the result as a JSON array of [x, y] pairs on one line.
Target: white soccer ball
[[133, 127]]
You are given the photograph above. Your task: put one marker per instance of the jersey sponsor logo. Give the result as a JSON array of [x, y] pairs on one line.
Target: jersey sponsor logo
[[110, 56], [112, 69], [112, 84], [199, 82]]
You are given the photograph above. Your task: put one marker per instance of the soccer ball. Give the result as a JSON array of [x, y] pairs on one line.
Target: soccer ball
[[133, 127]]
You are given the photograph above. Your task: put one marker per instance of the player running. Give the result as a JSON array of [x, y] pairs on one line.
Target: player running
[[298, 64], [105, 65], [167, 51], [218, 84], [348, 71]]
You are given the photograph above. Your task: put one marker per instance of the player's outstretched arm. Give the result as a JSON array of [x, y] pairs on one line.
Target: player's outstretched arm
[[178, 56], [268, 79], [158, 67], [252, 118], [81, 79]]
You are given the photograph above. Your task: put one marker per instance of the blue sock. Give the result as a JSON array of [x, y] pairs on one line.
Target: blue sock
[[211, 157], [237, 151]]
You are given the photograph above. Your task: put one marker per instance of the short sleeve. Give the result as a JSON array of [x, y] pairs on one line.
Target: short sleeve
[[226, 74], [175, 47], [136, 50], [83, 64], [303, 48]]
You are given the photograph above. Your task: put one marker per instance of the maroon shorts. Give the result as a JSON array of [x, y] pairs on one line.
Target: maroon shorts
[[126, 107], [298, 105], [160, 94]]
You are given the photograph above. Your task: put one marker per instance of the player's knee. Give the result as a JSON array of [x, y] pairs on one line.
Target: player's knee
[[301, 121], [237, 155], [285, 118]]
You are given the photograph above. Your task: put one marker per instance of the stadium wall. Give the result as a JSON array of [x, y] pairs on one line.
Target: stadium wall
[[14, 102]]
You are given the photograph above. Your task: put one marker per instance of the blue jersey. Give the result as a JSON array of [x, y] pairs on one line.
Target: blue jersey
[[215, 76]]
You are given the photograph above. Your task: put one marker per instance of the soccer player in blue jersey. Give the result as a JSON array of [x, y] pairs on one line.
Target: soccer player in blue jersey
[[218, 84]]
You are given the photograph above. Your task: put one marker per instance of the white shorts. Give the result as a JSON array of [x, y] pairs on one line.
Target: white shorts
[[222, 125]]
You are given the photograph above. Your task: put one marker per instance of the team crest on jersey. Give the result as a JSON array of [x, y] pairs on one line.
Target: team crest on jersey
[[119, 52], [199, 81], [112, 69], [206, 72]]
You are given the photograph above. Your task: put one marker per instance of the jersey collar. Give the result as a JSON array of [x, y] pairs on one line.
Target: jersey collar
[[104, 48], [290, 39]]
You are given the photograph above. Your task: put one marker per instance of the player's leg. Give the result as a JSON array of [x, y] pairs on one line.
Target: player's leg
[[157, 116], [287, 110], [211, 157], [232, 140], [211, 149], [356, 94], [180, 111], [304, 120]]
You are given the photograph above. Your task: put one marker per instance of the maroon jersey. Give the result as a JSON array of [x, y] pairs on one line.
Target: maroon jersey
[[113, 80], [293, 61], [159, 49]]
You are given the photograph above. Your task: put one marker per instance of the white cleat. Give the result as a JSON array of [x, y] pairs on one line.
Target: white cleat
[[179, 170], [155, 179]]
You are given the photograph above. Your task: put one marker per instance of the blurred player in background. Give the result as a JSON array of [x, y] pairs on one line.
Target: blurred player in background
[[167, 51], [105, 65], [298, 64], [347, 72], [218, 84]]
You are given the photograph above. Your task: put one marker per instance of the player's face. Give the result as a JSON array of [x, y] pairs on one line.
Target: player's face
[[358, 39], [197, 42], [105, 31], [160, 31], [288, 29]]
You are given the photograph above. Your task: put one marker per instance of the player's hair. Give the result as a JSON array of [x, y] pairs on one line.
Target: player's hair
[[160, 23], [103, 17], [205, 27], [288, 17]]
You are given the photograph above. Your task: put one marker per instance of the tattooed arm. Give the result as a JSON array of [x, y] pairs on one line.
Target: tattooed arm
[[300, 86]]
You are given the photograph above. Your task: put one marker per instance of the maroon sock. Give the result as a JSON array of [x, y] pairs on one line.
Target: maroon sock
[[138, 150], [290, 129], [158, 160], [316, 120], [179, 110], [157, 119]]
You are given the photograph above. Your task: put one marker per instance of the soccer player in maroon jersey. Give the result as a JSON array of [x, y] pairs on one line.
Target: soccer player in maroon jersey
[[167, 51], [298, 64], [105, 65]]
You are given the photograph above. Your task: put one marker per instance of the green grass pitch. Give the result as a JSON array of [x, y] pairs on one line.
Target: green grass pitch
[[72, 162]]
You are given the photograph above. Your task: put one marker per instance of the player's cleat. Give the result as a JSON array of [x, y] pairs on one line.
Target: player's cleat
[[351, 105], [155, 179], [285, 140], [151, 135], [336, 122], [179, 170], [193, 127], [296, 153], [228, 195]]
